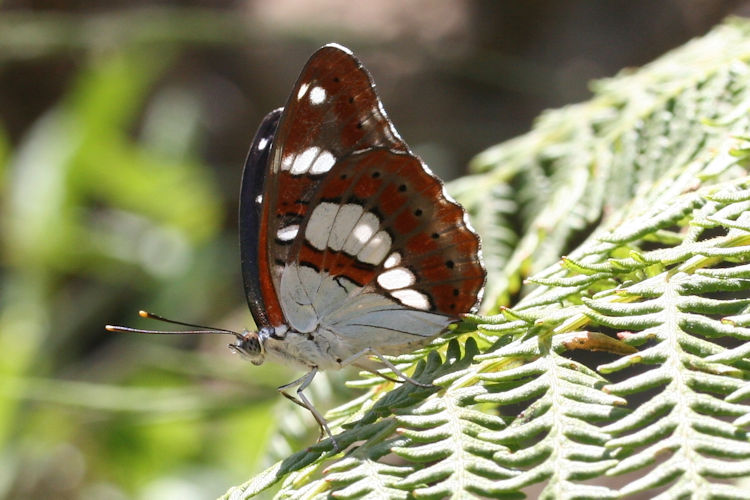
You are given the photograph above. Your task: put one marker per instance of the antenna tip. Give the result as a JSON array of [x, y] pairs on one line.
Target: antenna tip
[[144, 314], [110, 328]]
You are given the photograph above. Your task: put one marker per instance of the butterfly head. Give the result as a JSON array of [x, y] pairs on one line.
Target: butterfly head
[[251, 344]]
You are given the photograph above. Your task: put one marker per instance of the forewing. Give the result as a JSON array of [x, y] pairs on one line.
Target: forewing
[[332, 112]]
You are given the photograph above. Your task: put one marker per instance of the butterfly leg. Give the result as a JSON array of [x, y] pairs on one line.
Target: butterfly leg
[[370, 351], [302, 401]]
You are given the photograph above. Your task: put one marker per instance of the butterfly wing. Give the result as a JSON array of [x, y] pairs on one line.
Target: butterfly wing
[[386, 257], [348, 201], [332, 111], [396, 232], [251, 197]]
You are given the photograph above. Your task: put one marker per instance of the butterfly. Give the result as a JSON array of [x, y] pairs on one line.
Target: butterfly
[[351, 248]]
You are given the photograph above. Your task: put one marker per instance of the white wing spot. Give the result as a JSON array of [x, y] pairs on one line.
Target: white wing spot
[[393, 259], [302, 90], [349, 228], [262, 143], [304, 161], [323, 163], [396, 278], [317, 95], [376, 249], [343, 226], [362, 232], [412, 298], [259, 199], [287, 233], [320, 224]]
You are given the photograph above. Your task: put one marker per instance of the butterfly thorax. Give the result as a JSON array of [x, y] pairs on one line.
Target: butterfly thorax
[[320, 349], [282, 344]]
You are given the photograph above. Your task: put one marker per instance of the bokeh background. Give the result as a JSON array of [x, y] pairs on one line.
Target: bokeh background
[[123, 130]]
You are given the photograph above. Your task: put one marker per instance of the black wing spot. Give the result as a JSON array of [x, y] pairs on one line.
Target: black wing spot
[[418, 212], [402, 188], [336, 79], [375, 175], [359, 125], [449, 264], [435, 236], [342, 176], [455, 292], [351, 100]]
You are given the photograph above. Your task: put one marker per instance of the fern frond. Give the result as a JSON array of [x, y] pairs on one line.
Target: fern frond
[[675, 308], [665, 128], [445, 427]]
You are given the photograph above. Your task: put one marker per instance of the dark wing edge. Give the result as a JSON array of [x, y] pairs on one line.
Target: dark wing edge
[[251, 195]]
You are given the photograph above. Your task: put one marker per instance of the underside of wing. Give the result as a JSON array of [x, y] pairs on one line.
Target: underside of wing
[[251, 197], [332, 112], [347, 199]]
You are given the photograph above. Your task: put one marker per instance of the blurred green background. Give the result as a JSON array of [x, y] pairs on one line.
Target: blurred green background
[[123, 130]]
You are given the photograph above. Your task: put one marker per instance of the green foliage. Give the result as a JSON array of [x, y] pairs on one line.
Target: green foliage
[[645, 191], [89, 207]]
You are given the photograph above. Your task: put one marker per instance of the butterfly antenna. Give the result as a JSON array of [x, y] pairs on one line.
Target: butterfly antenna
[[199, 329]]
